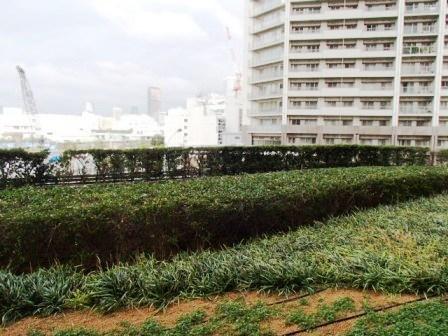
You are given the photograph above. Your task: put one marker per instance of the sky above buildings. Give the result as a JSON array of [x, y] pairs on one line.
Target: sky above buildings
[[110, 51]]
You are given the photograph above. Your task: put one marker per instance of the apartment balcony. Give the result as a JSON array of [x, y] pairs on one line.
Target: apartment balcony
[[422, 9], [341, 92], [444, 91], [260, 61], [327, 34], [265, 112], [340, 110], [266, 95], [359, 13], [267, 6], [418, 70], [419, 50], [267, 77], [269, 42], [418, 91], [415, 131], [303, 129], [412, 31], [413, 110], [342, 72], [262, 26], [263, 129], [326, 53]]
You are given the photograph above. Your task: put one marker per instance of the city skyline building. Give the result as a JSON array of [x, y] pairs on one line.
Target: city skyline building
[[154, 102], [371, 72]]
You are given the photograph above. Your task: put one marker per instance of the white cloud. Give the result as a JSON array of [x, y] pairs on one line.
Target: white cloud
[[111, 51], [137, 18]]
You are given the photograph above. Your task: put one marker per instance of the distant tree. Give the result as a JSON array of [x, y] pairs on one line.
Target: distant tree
[[158, 141]]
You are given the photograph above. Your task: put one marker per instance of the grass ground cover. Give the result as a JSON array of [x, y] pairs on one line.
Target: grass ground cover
[[112, 223], [239, 318], [422, 319], [399, 249]]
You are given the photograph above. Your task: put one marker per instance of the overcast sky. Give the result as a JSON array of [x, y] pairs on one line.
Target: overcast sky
[[110, 51]]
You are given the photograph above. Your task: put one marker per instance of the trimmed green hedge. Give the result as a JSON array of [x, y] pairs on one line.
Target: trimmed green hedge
[[113, 223], [18, 167], [151, 164]]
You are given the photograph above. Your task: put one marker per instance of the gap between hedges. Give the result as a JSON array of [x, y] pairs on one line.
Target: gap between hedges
[[113, 223]]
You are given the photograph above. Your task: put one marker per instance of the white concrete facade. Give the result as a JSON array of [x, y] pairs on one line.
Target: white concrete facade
[[213, 120], [201, 123], [347, 72]]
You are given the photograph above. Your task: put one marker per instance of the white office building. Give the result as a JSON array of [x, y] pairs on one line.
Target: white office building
[[347, 72], [212, 120]]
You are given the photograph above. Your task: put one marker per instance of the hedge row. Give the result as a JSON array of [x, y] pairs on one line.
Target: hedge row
[[112, 223], [19, 167], [217, 161], [393, 249]]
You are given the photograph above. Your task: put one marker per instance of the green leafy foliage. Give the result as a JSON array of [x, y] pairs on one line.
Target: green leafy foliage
[[43, 292], [204, 161], [422, 319], [398, 249], [245, 320], [325, 313], [112, 223], [18, 168]]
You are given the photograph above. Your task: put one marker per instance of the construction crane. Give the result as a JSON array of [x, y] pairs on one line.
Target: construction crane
[[238, 76], [29, 103]]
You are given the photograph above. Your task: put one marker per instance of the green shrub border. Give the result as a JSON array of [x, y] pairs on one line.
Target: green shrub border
[[18, 167], [112, 223]]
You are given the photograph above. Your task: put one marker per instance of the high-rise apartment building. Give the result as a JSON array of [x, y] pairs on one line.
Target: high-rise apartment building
[[369, 72], [154, 102]]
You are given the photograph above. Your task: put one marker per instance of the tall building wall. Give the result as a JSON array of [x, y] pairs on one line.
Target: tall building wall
[[347, 72], [154, 102]]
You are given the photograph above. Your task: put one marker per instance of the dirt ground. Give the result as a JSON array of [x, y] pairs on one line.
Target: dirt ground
[[168, 317]]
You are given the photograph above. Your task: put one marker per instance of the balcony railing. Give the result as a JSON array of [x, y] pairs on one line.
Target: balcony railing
[[417, 70], [306, 11], [416, 109], [272, 111], [378, 68], [422, 9], [267, 75], [265, 24], [380, 8], [266, 5], [416, 50], [379, 48], [304, 69], [266, 59], [303, 88], [419, 30], [261, 95], [327, 31], [417, 90], [262, 42], [368, 87]]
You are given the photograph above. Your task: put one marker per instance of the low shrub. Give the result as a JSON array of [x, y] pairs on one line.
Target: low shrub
[[148, 164], [19, 167], [112, 223], [397, 249]]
